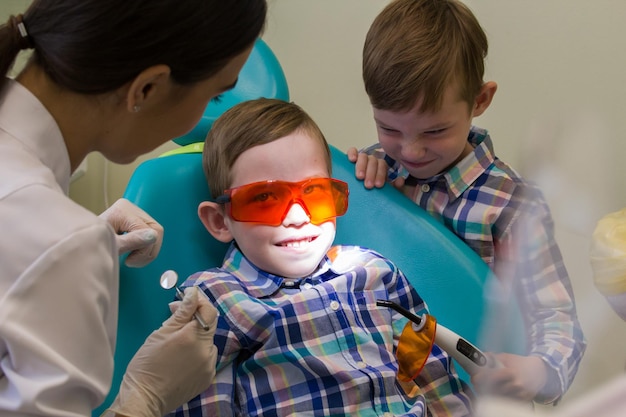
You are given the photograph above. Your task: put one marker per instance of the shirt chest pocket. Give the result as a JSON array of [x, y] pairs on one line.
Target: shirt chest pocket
[[361, 311]]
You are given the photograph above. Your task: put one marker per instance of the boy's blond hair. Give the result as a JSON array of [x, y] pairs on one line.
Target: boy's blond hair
[[249, 124], [415, 49]]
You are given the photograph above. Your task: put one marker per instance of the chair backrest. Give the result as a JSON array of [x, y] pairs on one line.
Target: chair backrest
[[261, 76]]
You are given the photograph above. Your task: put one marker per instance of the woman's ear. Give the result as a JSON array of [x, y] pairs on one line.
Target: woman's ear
[[484, 97], [212, 217], [145, 85]]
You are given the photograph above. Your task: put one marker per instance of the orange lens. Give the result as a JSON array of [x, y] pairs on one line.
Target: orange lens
[[268, 202], [414, 348]]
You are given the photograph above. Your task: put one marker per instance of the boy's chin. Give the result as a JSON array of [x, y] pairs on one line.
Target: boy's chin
[[299, 271]]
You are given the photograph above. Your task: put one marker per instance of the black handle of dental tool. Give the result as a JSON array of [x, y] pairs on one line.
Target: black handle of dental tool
[[466, 354], [397, 307]]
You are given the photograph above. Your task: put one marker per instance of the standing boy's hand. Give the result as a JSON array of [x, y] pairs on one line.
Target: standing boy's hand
[[370, 169], [520, 377]]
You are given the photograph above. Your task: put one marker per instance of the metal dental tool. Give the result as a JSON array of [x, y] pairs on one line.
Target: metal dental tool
[[168, 281]]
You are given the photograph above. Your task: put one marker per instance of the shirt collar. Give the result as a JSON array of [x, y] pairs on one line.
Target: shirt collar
[[458, 178], [463, 174], [26, 119], [259, 283]]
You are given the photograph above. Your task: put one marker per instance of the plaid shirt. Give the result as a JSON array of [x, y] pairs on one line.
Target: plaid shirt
[[508, 223], [318, 347]]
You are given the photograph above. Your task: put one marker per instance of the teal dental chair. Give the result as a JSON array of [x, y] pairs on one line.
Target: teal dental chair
[[450, 277]]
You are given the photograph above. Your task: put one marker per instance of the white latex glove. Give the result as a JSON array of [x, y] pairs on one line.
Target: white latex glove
[[518, 377], [176, 363], [137, 232]]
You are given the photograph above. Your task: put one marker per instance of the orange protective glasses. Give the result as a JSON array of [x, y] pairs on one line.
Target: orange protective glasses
[[268, 202]]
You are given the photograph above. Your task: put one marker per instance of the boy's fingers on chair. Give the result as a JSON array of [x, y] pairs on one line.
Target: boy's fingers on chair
[[352, 153], [361, 166], [373, 168], [381, 174], [398, 183]]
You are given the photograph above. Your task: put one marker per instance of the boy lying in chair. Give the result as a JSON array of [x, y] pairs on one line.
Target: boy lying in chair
[[299, 331]]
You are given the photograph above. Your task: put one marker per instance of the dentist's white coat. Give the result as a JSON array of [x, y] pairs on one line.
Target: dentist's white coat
[[58, 273]]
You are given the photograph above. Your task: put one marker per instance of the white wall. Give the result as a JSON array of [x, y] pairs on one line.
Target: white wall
[[557, 117]]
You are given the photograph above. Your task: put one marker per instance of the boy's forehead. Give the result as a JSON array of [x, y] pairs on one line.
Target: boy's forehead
[[299, 154], [450, 96]]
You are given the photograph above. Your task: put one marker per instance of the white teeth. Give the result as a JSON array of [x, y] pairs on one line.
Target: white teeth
[[297, 243]]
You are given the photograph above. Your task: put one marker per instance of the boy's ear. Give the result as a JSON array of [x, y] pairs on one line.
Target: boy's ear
[[484, 97], [212, 217]]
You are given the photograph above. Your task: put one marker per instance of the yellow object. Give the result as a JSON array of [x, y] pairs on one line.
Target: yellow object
[[608, 254], [196, 147], [414, 348]]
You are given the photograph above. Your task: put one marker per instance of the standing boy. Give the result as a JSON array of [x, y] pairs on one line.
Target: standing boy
[[423, 65], [299, 331]]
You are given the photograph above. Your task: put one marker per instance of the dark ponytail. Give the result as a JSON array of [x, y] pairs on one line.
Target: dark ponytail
[[96, 46]]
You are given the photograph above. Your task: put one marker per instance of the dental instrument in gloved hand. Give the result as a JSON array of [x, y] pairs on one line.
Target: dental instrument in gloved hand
[[175, 363], [169, 279]]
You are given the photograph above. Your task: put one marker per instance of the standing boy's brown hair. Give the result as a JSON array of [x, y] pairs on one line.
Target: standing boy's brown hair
[[415, 49]]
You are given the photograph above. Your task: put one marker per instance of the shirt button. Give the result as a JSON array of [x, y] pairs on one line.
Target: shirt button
[[387, 415], [425, 188], [361, 365], [334, 305]]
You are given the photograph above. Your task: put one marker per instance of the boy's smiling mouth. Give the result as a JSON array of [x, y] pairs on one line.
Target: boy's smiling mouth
[[417, 165], [296, 242]]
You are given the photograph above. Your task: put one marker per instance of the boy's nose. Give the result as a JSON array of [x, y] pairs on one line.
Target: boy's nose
[[413, 149], [296, 215]]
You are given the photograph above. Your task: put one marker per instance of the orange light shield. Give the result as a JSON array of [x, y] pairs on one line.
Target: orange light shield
[[414, 347]]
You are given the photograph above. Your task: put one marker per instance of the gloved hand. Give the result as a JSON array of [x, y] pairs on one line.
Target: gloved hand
[[137, 232], [517, 377], [176, 363]]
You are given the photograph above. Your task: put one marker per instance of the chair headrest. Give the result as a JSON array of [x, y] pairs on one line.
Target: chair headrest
[[261, 76]]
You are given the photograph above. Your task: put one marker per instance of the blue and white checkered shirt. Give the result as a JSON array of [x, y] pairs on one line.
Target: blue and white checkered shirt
[[321, 347]]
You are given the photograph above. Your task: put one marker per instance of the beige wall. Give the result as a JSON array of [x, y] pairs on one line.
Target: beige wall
[[557, 117]]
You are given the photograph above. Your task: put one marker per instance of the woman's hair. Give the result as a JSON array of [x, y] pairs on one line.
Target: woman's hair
[[96, 46], [249, 124], [415, 49]]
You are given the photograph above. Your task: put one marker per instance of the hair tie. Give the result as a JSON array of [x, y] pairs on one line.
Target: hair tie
[[24, 39]]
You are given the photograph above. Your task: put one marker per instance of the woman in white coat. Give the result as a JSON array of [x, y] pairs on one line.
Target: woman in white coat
[[117, 77]]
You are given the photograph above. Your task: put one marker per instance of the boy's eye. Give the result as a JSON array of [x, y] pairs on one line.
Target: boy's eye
[[435, 131], [387, 129], [262, 197], [314, 189]]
